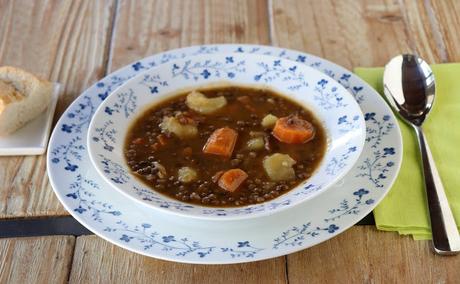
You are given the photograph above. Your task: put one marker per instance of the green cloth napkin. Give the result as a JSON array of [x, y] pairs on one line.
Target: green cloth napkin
[[404, 209]]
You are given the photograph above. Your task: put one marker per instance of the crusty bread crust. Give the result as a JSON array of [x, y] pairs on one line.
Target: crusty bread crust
[[23, 97]]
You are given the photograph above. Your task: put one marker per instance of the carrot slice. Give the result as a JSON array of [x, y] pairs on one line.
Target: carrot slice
[[293, 130], [221, 142], [232, 179]]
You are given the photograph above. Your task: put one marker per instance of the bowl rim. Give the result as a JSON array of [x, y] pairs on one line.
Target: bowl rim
[[230, 217]]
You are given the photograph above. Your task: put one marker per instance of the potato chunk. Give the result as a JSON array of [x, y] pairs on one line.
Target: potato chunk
[[269, 121], [186, 174], [200, 103], [161, 170], [183, 131], [255, 144], [279, 167]]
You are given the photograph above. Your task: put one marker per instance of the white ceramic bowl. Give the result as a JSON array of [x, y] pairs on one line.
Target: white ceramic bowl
[[331, 103]]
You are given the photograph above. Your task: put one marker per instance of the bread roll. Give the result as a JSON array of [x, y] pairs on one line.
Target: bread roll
[[23, 97]]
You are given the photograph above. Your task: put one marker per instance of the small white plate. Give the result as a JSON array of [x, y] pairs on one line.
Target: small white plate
[[32, 138]]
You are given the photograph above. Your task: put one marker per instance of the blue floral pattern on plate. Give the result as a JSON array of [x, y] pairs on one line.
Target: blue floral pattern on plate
[[207, 68], [69, 153], [329, 98], [125, 103], [89, 199], [114, 170], [276, 70], [106, 135], [375, 168], [82, 191]]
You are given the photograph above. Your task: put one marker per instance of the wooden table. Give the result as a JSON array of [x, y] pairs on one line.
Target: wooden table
[[79, 42]]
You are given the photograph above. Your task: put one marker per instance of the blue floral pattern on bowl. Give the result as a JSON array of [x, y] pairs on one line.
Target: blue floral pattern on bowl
[[329, 100]]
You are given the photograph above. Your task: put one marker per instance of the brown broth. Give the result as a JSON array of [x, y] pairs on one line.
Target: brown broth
[[257, 187]]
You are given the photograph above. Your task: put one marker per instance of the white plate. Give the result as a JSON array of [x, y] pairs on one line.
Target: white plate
[[140, 229], [32, 138], [332, 104]]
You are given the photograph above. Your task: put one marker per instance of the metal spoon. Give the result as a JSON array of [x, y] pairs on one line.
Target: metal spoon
[[409, 86]]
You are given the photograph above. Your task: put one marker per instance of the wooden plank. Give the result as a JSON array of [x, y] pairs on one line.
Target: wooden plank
[[146, 27], [64, 41], [446, 20], [369, 33], [98, 261], [348, 32], [434, 29], [364, 255], [423, 29], [36, 260]]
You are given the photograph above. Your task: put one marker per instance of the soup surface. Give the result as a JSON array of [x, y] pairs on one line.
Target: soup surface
[[225, 146]]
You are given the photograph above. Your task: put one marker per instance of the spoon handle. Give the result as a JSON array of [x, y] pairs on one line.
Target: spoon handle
[[446, 239]]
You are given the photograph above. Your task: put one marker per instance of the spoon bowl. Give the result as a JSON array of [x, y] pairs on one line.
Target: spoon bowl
[[409, 87]]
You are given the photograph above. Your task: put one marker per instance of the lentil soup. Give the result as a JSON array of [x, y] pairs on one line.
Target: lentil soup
[[225, 146]]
